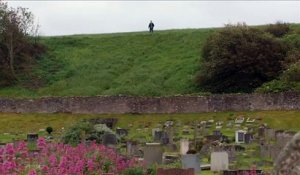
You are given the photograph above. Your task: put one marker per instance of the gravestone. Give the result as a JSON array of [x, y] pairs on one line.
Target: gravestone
[[109, 139], [229, 124], [249, 120], [153, 154], [219, 127], [155, 130], [248, 138], [133, 150], [165, 139], [184, 146], [261, 131], [217, 133], [169, 123], [240, 136], [122, 132], [32, 137], [157, 136], [239, 120], [270, 133], [219, 161], [191, 161], [170, 132], [170, 158], [2, 145]]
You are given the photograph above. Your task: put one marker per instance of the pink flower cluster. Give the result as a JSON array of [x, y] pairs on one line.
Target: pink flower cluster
[[62, 159]]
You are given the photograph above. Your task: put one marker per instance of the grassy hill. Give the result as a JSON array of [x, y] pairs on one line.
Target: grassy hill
[[160, 64]]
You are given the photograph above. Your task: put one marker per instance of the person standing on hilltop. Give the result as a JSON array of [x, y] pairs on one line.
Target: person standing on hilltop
[[151, 26]]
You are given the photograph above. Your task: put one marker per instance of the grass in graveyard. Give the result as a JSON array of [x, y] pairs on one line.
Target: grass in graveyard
[[12, 124], [15, 126]]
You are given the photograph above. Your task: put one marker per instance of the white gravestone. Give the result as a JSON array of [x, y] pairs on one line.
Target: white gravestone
[[219, 161], [240, 136], [184, 146]]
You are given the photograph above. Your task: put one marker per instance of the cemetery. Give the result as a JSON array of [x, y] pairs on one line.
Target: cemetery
[[229, 143], [89, 92]]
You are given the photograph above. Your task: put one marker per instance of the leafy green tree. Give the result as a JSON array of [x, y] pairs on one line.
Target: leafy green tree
[[238, 58], [17, 50]]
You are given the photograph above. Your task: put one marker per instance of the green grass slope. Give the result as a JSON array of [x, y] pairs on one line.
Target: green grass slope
[[139, 63], [162, 63]]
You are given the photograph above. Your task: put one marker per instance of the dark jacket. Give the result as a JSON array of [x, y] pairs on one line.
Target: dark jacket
[[151, 25]]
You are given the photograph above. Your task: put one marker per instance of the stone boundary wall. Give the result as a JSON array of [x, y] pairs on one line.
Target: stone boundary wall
[[173, 104]]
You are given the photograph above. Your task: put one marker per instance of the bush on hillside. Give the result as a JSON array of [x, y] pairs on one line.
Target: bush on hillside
[[238, 58], [278, 29], [288, 81]]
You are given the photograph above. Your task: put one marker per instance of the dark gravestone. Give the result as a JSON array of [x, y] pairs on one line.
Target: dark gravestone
[[158, 135], [248, 138], [121, 132], [217, 133], [32, 137], [165, 138], [261, 131], [109, 139]]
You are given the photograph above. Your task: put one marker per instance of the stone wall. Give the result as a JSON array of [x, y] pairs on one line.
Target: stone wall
[[174, 104]]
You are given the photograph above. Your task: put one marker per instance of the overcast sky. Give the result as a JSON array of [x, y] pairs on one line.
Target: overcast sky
[[78, 17]]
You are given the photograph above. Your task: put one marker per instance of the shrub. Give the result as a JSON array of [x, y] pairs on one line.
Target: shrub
[[279, 29], [238, 58], [288, 81], [49, 130], [84, 130]]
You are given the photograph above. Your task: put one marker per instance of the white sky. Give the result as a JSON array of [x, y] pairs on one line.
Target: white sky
[[78, 17]]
